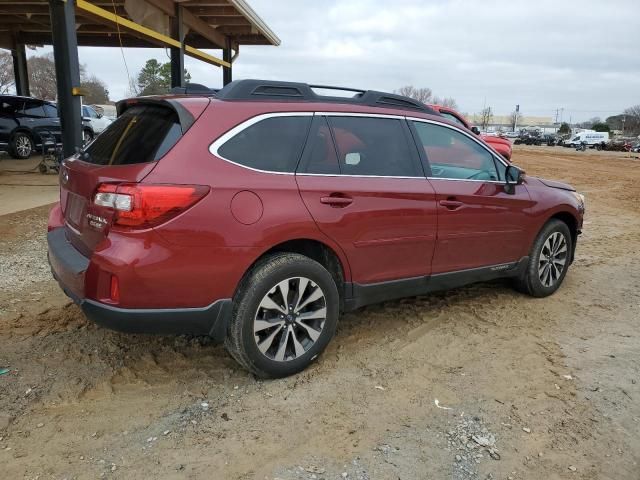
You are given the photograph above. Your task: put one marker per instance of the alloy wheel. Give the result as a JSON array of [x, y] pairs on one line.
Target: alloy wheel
[[553, 259], [23, 146], [290, 319]]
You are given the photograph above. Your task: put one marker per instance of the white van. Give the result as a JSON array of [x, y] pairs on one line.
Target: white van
[[590, 138]]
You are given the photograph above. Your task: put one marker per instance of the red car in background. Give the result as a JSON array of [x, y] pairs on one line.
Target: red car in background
[[500, 145]]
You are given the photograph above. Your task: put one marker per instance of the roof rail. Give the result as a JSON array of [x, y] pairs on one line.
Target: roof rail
[[293, 91], [194, 89]]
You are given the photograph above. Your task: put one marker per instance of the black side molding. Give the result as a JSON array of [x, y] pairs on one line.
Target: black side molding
[[211, 320], [410, 287]]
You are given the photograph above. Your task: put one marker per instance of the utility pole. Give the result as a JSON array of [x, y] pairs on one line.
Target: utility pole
[[624, 119], [515, 120]]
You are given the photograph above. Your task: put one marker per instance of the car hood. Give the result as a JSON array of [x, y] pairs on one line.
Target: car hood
[[492, 139], [554, 184]]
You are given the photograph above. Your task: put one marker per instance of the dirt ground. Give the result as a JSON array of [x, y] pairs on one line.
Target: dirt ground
[[476, 383]]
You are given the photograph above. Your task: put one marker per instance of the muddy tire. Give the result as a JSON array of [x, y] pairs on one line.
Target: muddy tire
[[284, 315], [549, 260], [21, 146]]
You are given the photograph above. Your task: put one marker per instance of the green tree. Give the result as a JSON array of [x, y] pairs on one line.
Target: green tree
[[601, 127], [95, 91], [564, 128], [155, 78]]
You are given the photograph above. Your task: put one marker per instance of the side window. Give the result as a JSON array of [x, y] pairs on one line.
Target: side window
[[373, 146], [9, 106], [273, 144], [320, 152], [33, 109], [451, 154], [50, 110], [453, 118]]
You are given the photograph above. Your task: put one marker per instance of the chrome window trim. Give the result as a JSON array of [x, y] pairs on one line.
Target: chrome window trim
[[216, 144], [338, 175], [466, 180]]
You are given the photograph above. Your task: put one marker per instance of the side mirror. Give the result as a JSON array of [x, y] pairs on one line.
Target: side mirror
[[352, 158], [86, 119], [99, 115], [513, 176], [475, 130]]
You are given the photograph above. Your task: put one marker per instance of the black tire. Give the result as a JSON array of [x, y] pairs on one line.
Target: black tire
[[21, 146], [530, 282], [87, 136], [261, 281]]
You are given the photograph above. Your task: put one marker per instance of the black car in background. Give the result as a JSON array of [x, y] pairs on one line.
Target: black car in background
[[24, 121]]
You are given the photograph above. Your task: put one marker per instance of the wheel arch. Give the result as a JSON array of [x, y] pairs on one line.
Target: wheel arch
[[317, 250], [572, 222]]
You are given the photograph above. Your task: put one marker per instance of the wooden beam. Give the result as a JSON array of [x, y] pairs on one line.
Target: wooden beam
[[104, 16], [191, 21]]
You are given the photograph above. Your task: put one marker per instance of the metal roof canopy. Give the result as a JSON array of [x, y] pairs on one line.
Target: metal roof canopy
[[185, 26]]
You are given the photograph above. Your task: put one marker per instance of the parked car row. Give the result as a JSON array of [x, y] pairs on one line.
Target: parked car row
[[25, 123], [260, 213]]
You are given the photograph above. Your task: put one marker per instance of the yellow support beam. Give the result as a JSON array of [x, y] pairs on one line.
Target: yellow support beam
[[147, 33]]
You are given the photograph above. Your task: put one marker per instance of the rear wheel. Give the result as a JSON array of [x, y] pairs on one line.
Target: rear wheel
[[21, 146], [285, 313], [548, 260]]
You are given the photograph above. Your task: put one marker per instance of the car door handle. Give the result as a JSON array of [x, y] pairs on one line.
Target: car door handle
[[451, 204], [336, 201]]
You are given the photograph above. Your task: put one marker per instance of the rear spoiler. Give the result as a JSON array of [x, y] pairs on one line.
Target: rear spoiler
[[184, 116]]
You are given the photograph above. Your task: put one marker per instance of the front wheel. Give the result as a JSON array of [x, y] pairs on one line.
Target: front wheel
[[548, 260], [21, 146], [285, 313]]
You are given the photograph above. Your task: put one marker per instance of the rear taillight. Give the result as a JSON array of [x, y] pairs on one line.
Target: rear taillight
[[141, 205]]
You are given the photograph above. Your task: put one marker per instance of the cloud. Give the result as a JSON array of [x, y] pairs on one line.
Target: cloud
[[543, 55]]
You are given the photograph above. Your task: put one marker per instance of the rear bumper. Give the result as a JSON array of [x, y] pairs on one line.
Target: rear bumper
[[69, 267]]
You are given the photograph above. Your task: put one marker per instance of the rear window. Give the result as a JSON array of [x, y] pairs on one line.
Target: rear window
[[273, 144], [143, 133]]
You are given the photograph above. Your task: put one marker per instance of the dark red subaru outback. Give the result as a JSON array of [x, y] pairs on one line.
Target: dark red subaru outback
[[258, 214]]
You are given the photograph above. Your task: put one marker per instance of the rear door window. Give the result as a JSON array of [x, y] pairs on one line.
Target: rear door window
[[373, 146], [273, 144], [33, 109], [320, 153], [143, 133]]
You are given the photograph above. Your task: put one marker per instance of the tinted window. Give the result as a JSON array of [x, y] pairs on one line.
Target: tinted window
[[50, 110], [9, 106], [452, 117], [143, 133], [320, 153], [89, 112], [273, 144], [373, 146], [451, 154], [33, 109]]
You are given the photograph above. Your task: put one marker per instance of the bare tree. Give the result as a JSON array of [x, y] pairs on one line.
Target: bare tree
[[632, 119], [421, 94], [42, 77], [448, 102], [514, 119], [485, 116], [6, 71]]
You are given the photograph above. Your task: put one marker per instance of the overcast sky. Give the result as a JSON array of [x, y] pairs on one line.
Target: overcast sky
[[544, 55]]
